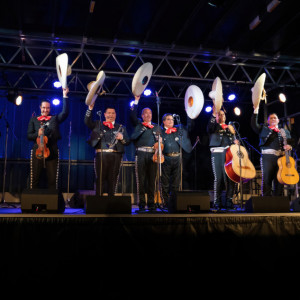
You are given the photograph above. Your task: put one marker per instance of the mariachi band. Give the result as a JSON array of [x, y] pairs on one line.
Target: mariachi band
[[158, 156]]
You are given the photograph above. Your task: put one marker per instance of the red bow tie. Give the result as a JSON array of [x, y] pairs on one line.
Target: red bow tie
[[170, 130], [108, 124], [274, 128], [224, 126], [44, 118], [147, 125]]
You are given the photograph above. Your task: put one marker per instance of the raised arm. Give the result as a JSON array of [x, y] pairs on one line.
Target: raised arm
[[65, 111]]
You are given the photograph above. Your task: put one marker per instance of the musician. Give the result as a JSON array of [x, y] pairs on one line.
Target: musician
[[51, 131], [221, 137], [144, 136], [174, 138], [271, 145], [108, 138]]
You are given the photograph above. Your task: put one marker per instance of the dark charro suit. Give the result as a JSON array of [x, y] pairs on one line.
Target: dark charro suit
[[171, 168], [102, 138], [219, 140], [53, 134], [269, 140], [144, 139]]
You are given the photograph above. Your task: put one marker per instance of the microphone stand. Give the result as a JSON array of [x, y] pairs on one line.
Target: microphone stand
[[180, 148], [159, 156], [69, 168], [2, 203], [99, 113]]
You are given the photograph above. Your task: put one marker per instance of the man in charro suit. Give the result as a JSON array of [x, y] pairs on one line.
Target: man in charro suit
[[174, 138], [220, 139], [144, 136], [50, 129], [108, 138], [272, 147]]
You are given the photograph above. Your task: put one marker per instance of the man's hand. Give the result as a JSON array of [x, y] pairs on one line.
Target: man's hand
[[91, 106], [119, 136], [287, 147], [65, 92], [41, 131]]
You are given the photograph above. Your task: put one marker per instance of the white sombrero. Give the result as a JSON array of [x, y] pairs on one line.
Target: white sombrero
[[94, 88], [141, 78], [63, 69], [216, 94], [193, 101], [257, 90]]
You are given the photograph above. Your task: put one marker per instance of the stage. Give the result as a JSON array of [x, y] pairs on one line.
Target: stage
[[127, 254]]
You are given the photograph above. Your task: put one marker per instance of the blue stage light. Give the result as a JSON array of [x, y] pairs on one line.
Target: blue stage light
[[208, 109], [57, 84], [231, 97], [55, 101], [131, 103], [147, 92]]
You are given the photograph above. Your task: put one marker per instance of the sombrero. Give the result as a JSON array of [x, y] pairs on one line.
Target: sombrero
[[257, 90], [94, 87], [141, 78], [63, 69], [216, 94], [193, 101]]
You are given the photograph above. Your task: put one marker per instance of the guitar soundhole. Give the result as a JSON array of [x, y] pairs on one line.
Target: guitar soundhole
[[239, 154]]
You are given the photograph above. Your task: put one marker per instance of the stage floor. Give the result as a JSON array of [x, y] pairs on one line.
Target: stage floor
[[122, 256], [15, 211]]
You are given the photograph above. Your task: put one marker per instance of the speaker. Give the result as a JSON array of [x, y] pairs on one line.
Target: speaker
[[267, 204], [192, 201], [107, 204], [42, 201]]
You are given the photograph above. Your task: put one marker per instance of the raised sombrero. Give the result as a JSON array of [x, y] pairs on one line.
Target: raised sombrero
[[257, 90], [94, 88], [141, 78], [216, 94], [63, 69], [193, 101]]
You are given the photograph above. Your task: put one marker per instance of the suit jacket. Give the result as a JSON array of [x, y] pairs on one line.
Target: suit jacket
[[51, 127], [218, 137], [174, 140], [102, 136], [267, 137], [143, 136]]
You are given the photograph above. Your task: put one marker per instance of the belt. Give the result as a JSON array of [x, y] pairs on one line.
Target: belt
[[105, 150], [172, 154], [145, 149], [218, 149], [272, 151]]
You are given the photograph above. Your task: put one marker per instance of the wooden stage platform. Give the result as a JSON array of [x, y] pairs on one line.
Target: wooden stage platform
[[128, 255]]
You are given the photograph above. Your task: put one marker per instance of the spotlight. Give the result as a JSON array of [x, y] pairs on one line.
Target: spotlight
[[147, 92], [55, 101], [14, 97], [237, 111], [231, 97], [282, 97], [208, 109], [57, 84]]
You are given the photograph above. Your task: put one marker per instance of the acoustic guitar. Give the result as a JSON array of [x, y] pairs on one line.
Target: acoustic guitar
[[238, 166], [287, 172]]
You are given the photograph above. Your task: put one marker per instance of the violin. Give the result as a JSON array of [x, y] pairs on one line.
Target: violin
[[158, 147], [42, 151]]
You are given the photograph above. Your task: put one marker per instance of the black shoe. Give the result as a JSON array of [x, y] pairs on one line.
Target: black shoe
[[141, 208], [217, 208], [151, 208]]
